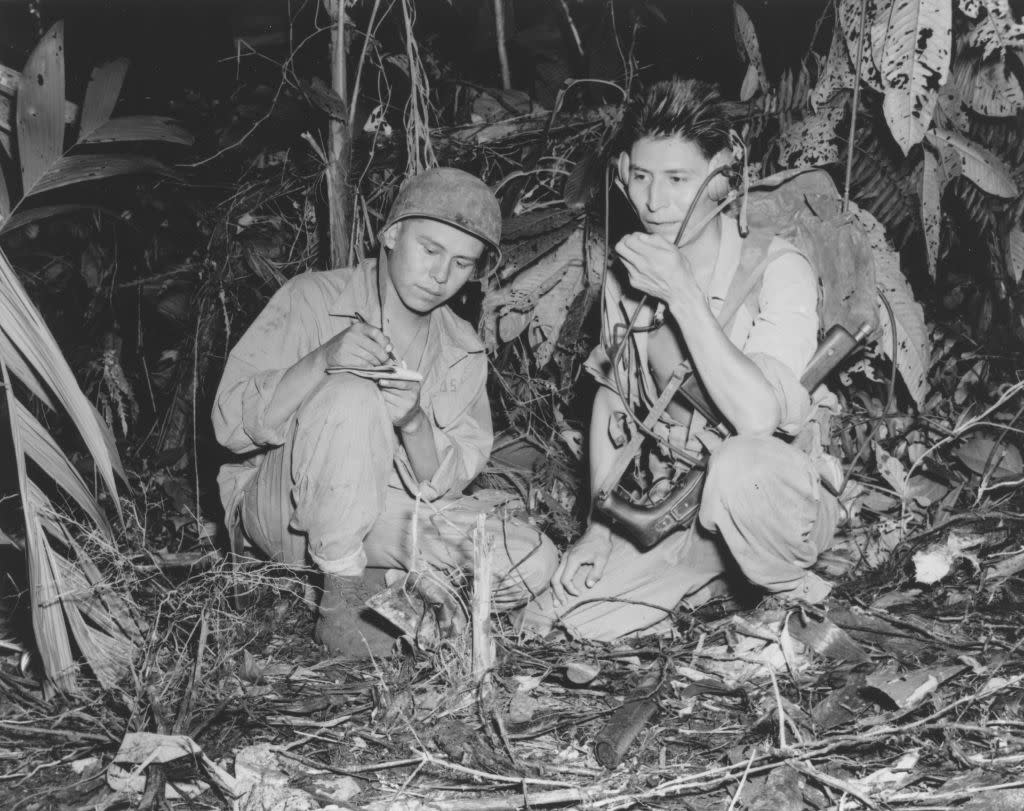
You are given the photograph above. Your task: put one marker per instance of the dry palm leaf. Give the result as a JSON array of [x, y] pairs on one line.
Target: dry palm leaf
[[59, 586]]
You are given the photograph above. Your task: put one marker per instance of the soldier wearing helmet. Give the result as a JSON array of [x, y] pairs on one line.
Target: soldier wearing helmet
[[357, 409]]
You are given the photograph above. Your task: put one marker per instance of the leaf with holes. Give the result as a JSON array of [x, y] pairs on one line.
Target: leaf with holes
[[970, 8], [1015, 253], [852, 25], [72, 169], [931, 209], [987, 88], [951, 112], [996, 32], [978, 165], [40, 108], [914, 65], [812, 142], [836, 75]]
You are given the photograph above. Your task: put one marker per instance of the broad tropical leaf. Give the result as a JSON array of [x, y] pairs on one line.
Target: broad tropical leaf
[[72, 169], [101, 95], [40, 107], [812, 141], [987, 88], [951, 111], [27, 216], [852, 25], [748, 46], [138, 128], [837, 74], [986, 453], [978, 165], [1015, 251], [913, 348], [914, 65], [947, 162], [996, 32], [970, 8], [913, 352], [931, 209], [5, 200]]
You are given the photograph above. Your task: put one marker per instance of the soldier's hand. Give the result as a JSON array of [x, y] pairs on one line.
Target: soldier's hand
[[655, 266], [402, 400], [360, 346], [591, 551]]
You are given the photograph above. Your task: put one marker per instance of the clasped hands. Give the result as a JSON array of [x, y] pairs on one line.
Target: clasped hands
[[363, 346]]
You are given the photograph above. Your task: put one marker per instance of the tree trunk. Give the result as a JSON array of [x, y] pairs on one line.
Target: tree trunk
[[339, 152]]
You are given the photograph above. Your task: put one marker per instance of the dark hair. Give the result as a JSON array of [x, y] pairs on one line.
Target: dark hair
[[688, 108]]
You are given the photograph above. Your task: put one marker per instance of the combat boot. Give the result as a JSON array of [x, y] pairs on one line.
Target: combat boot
[[345, 625]]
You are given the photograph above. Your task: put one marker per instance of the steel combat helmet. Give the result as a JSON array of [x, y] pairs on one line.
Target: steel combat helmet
[[455, 198]]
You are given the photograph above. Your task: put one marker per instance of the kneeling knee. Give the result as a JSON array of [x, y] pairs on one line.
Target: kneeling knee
[[737, 473], [342, 395]]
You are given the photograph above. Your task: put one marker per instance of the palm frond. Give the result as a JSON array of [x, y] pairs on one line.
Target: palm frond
[[68, 597]]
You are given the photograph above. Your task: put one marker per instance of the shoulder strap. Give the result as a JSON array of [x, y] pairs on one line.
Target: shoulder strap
[[738, 293], [747, 278], [753, 251]]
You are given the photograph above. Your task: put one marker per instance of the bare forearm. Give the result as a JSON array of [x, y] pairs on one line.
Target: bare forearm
[[602, 451], [735, 384], [303, 376], [418, 440]]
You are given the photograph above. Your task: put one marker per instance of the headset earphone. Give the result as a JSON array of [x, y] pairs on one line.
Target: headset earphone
[[725, 169]]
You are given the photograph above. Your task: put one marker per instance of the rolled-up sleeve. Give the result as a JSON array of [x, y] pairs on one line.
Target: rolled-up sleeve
[[274, 342], [460, 417], [785, 333]]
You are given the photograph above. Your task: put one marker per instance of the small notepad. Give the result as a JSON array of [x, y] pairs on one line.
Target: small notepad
[[378, 372]]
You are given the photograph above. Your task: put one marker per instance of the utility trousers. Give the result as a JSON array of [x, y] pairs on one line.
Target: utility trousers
[[331, 490], [763, 510]]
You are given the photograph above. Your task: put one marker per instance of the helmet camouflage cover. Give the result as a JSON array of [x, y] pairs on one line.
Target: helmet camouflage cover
[[455, 198]]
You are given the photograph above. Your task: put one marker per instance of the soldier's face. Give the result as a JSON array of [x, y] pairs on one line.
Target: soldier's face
[[430, 261], [663, 177]]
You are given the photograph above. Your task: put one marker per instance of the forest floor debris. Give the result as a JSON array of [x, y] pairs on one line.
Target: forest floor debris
[[896, 694]]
